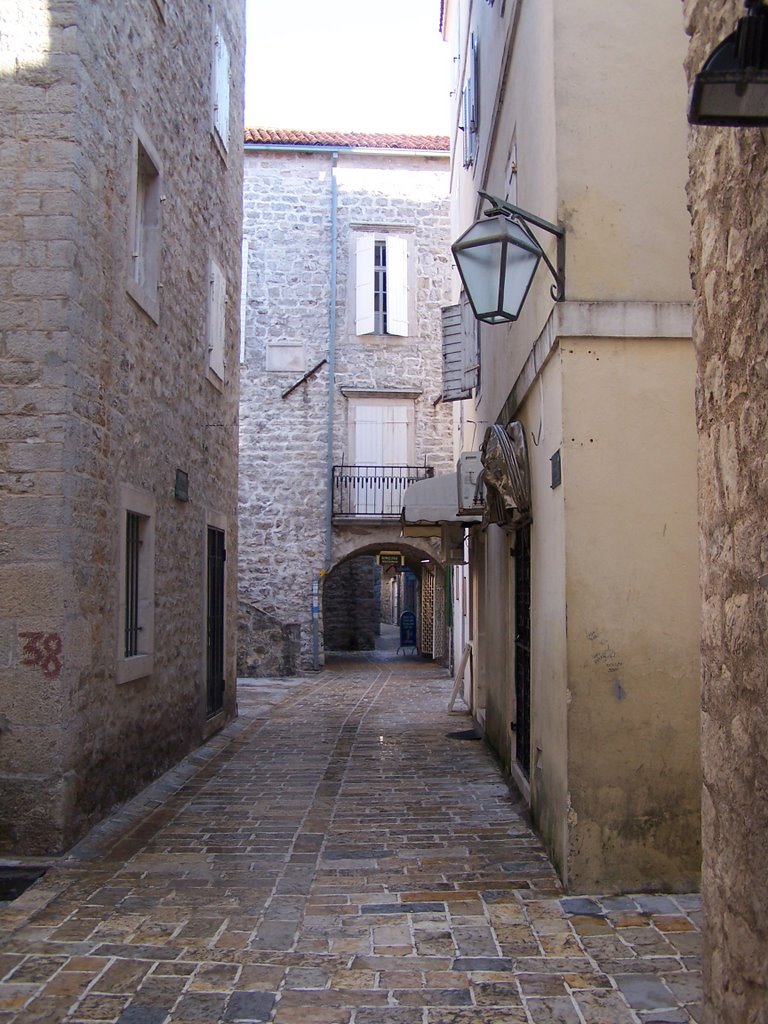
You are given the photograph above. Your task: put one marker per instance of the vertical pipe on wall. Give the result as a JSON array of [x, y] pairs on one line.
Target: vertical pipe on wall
[[331, 362], [331, 397]]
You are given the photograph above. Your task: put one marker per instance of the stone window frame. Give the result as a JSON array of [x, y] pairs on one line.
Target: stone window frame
[[134, 500], [145, 225], [370, 234]]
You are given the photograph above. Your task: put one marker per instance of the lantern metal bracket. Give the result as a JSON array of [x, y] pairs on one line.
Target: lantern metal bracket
[[523, 219]]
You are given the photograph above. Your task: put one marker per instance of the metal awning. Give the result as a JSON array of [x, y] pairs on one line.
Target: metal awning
[[431, 504]]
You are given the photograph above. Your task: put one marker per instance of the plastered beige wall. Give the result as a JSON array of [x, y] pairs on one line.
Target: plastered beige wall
[[620, 91], [541, 414], [629, 471]]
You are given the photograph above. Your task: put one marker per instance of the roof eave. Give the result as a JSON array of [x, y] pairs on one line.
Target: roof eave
[[359, 150]]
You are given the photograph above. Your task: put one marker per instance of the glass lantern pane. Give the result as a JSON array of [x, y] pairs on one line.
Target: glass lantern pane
[[481, 269], [496, 259], [520, 268]]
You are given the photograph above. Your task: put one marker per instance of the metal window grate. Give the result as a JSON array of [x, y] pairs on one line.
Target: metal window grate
[[380, 288], [132, 553]]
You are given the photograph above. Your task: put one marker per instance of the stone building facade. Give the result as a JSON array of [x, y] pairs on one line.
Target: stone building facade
[[319, 387], [728, 170], [119, 270]]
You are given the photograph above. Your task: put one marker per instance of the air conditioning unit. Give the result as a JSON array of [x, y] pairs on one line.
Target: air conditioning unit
[[469, 478]]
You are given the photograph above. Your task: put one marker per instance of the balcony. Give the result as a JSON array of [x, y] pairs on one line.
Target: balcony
[[373, 492]]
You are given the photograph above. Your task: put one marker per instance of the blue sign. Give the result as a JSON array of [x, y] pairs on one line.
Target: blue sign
[[408, 629]]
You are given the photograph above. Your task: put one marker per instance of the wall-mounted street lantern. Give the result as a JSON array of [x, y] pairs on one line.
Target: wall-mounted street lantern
[[732, 87], [497, 258]]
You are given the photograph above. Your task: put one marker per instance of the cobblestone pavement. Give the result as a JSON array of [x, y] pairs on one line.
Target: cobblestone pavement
[[337, 857]]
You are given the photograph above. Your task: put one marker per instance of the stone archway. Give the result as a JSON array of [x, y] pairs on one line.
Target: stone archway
[[363, 601]]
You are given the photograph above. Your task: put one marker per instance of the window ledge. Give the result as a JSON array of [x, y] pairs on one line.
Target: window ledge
[[380, 339], [144, 300], [349, 392], [214, 379], [219, 145], [129, 669]]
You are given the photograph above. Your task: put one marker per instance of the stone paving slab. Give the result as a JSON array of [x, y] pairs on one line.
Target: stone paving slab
[[335, 856]]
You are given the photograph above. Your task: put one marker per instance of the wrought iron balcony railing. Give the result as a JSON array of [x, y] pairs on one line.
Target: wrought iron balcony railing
[[374, 490]]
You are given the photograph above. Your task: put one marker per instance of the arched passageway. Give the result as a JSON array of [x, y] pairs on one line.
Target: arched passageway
[[366, 594]]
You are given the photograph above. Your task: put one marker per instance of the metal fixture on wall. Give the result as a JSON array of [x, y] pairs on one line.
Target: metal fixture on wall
[[731, 90], [497, 258]]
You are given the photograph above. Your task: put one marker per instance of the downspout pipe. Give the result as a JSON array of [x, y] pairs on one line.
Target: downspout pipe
[[330, 413], [331, 361]]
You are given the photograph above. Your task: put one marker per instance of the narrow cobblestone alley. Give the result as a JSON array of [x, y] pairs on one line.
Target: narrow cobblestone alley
[[337, 856]]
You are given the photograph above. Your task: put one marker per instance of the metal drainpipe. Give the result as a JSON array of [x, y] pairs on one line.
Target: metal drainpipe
[[331, 397]]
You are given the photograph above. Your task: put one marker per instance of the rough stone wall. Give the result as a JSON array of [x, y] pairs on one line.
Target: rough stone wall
[[101, 395], [352, 606], [266, 647], [284, 437], [729, 170]]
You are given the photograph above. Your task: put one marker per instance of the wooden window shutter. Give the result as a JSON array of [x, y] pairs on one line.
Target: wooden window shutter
[[453, 355], [469, 105], [364, 260], [216, 319], [471, 348], [243, 296], [397, 286], [221, 89]]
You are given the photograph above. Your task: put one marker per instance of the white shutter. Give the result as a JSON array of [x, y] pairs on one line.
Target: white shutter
[[217, 298], [471, 337], [243, 296], [453, 355], [473, 86], [381, 438], [364, 260], [397, 286], [381, 433], [368, 437], [221, 89], [469, 104], [368, 451], [395, 439]]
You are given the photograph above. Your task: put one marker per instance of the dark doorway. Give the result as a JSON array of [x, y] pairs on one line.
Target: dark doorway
[[352, 605], [523, 647], [215, 620]]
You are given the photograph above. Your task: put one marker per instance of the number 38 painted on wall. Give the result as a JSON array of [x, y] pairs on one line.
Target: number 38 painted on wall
[[43, 651]]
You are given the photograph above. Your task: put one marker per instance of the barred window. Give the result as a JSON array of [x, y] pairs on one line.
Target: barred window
[[135, 654], [132, 563]]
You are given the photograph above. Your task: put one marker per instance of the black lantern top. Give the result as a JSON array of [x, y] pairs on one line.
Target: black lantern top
[[731, 89]]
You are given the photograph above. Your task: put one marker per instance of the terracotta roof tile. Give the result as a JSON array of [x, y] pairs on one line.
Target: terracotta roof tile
[[344, 140]]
